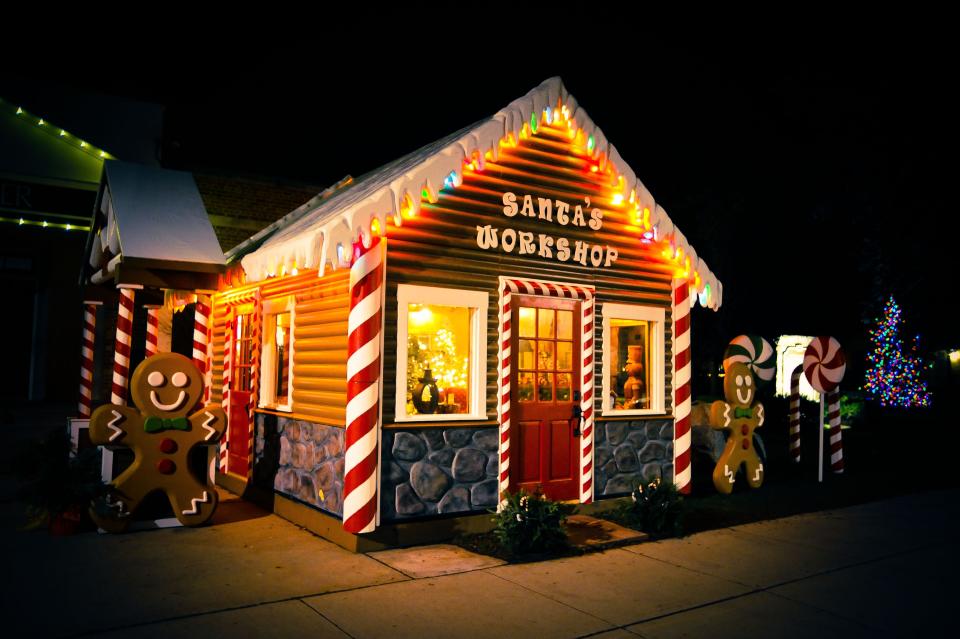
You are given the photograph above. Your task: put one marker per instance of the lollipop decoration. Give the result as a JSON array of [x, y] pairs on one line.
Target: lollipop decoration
[[824, 364], [755, 352]]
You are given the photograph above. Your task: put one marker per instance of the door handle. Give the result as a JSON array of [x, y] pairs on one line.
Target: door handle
[[577, 416]]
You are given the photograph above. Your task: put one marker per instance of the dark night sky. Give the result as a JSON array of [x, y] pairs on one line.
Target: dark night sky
[[811, 170]]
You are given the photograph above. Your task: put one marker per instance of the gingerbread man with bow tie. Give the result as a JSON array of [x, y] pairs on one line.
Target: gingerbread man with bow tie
[[165, 387], [739, 416]]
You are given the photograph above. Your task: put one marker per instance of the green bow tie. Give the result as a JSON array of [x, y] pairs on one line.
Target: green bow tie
[[742, 412], [157, 424]]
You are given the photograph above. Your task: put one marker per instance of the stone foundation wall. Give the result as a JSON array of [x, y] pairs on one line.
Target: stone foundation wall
[[627, 453], [304, 460], [430, 471]]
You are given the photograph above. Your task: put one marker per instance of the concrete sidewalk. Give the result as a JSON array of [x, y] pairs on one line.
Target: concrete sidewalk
[[880, 569]]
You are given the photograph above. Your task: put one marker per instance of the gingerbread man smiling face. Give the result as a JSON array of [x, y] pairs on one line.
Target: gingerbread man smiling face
[[166, 387], [740, 416]]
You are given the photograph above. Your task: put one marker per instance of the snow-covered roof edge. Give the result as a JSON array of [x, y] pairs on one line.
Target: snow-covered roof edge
[[311, 240]]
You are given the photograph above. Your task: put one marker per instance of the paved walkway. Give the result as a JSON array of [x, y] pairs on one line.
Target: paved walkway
[[876, 570]]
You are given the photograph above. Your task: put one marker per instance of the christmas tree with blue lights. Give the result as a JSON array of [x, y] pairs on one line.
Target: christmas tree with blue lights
[[893, 373]]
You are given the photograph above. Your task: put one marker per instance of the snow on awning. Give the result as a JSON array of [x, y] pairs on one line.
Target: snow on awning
[[323, 231], [151, 220]]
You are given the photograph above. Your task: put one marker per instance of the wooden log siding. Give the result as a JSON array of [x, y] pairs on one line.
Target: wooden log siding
[[439, 248], [320, 341]]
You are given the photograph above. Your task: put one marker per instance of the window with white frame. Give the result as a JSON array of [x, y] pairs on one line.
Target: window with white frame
[[276, 359], [633, 359], [441, 354]]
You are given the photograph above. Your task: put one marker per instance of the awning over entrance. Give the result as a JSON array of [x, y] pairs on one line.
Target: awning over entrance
[[151, 229]]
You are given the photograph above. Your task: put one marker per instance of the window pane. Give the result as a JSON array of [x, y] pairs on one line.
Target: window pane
[[282, 357], [545, 356], [527, 322], [438, 353], [526, 355], [525, 387], [545, 387], [564, 385], [564, 324], [564, 356], [546, 322], [629, 364]]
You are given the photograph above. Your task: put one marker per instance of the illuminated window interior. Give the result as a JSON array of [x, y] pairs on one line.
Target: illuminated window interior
[[438, 351], [545, 355], [242, 353], [281, 346], [630, 364]]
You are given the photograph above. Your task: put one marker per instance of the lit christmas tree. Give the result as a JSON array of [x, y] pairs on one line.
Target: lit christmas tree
[[893, 376]]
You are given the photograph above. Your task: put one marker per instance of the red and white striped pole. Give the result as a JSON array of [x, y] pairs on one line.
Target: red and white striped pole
[[227, 381], [586, 405], [85, 406], [121, 347], [836, 442], [795, 414], [201, 317], [363, 387], [256, 317], [506, 293], [681, 385], [153, 331]]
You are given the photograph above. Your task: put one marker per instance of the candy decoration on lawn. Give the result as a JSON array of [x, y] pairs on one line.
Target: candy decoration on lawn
[[795, 414], [121, 348], [740, 415], [824, 363], [85, 406], [682, 390], [363, 388], [836, 443], [161, 434], [153, 330], [755, 352]]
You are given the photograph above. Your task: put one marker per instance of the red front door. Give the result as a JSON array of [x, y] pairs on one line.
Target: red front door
[[544, 381], [238, 429]]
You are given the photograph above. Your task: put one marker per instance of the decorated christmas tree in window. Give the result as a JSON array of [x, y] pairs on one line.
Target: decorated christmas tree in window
[[894, 371]]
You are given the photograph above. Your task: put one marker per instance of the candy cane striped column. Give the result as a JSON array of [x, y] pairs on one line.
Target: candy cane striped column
[[586, 405], [85, 406], [255, 324], [681, 385], [153, 330], [795, 414], [836, 442], [201, 317], [121, 347], [503, 407], [363, 388], [227, 381]]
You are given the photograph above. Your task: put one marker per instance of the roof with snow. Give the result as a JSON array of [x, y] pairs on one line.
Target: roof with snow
[[308, 237]]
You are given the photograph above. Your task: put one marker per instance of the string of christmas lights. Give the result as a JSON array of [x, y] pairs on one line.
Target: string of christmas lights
[[893, 376]]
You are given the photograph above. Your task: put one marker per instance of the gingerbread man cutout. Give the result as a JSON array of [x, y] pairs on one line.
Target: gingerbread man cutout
[[166, 387], [740, 416]]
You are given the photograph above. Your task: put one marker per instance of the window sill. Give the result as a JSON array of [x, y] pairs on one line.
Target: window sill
[[455, 417]]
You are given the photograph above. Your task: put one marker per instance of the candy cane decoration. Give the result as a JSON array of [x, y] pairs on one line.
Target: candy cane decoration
[[201, 317], [586, 404], [153, 330], [824, 364], [681, 386], [255, 319], [363, 387], [836, 443], [503, 392], [227, 377], [85, 405], [121, 347], [795, 414]]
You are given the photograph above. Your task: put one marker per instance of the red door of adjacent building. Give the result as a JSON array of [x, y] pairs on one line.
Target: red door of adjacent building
[[544, 437], [238, 421]]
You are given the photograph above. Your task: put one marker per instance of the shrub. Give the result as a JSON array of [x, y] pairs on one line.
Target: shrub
[[656, 508], [531, 523]]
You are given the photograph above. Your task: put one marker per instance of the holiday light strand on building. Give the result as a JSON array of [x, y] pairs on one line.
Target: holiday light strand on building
[[893, 375], [50, 129]]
